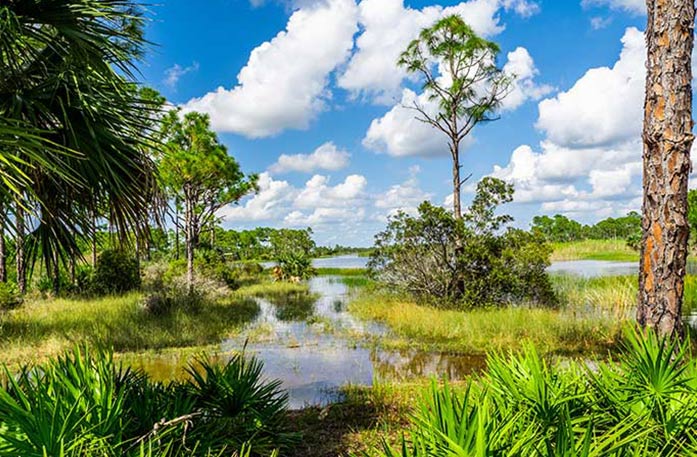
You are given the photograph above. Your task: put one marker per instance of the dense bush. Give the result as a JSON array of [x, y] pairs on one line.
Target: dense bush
[[117, 271], [474, 261], [10, 297], [644, 406], [83, 404]]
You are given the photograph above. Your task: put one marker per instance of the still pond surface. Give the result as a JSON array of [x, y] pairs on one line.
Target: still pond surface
[[301, 340]]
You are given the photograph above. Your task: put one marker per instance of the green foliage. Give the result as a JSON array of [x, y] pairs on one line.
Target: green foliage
[[644, 405], [67, 93], [294, 266], [562, 229], [117, 271], [83, 404], [10, 297], [464, 262]]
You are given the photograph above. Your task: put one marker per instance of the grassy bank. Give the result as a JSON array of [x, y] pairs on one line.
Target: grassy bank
[[42, 328], [616, 250], [478, 331]]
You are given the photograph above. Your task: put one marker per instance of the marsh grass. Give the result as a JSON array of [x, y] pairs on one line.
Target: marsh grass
[[614, 250], [341, 271], [483, 330], [43, 328]]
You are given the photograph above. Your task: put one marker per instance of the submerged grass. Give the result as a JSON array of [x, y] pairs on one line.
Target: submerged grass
[[615, 250]]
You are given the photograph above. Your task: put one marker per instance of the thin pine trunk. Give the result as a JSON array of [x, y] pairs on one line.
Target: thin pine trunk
[[19, 249], [667, 140], [189, 246]]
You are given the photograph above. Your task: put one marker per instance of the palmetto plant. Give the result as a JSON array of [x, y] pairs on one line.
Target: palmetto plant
[[645, 404], [72, 128], [83, 404]]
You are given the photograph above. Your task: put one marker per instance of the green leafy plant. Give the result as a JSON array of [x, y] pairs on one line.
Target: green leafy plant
[[642, 405], [10, 297], [117, 271]]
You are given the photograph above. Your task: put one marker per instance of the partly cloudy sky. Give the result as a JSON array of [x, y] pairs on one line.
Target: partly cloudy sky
[[307, 94]]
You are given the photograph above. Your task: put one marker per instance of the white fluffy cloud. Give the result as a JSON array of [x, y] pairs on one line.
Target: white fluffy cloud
[[269, 203], [316, 202], [400, 133], [285, 82], [633, 6], [388, 27], [522, 67], [405, 196], [325, 157], [590, 161], [605, 104]]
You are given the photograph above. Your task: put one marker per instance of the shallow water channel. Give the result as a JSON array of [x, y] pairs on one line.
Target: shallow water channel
[[310, 343]]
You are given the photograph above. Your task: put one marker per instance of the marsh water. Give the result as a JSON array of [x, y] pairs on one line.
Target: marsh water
[[313, 345]]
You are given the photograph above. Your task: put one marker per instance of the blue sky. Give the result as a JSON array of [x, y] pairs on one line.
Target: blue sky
[[307, 93]]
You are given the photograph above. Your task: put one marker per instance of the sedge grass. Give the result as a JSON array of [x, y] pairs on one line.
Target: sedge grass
[[482, 330], [612, 250], [43, 328]]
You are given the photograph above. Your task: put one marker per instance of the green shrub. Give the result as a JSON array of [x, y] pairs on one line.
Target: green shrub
[[117, 271], [10, 297], [468, 262]]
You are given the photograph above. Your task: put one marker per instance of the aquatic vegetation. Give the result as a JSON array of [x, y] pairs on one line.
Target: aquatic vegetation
[[83, 404], [645, 405]]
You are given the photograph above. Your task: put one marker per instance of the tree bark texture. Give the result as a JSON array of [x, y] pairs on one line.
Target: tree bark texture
[[667, 138]]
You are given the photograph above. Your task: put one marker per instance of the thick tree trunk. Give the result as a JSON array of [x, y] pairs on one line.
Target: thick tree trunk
[[667, 140], [189, 226], [19, 250]]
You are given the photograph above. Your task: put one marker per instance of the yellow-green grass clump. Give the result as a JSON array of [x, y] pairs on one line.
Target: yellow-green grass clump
[[613, 250]]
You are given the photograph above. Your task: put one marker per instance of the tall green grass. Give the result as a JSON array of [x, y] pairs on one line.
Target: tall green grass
[[83, 404], [482, 330], [644, 405], [615, 250]]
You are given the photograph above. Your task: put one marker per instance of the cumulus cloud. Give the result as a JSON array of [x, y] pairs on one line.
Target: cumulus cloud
[[318, 201], [285, 82], [605, 104], [400, 133], [388, 27], [325, 157], [174, 73], [590, 160], [269, 203], [521, 67], [633, 6], [405, 196]]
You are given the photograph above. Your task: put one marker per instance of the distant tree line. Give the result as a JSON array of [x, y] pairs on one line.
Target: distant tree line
[[560, 228]]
